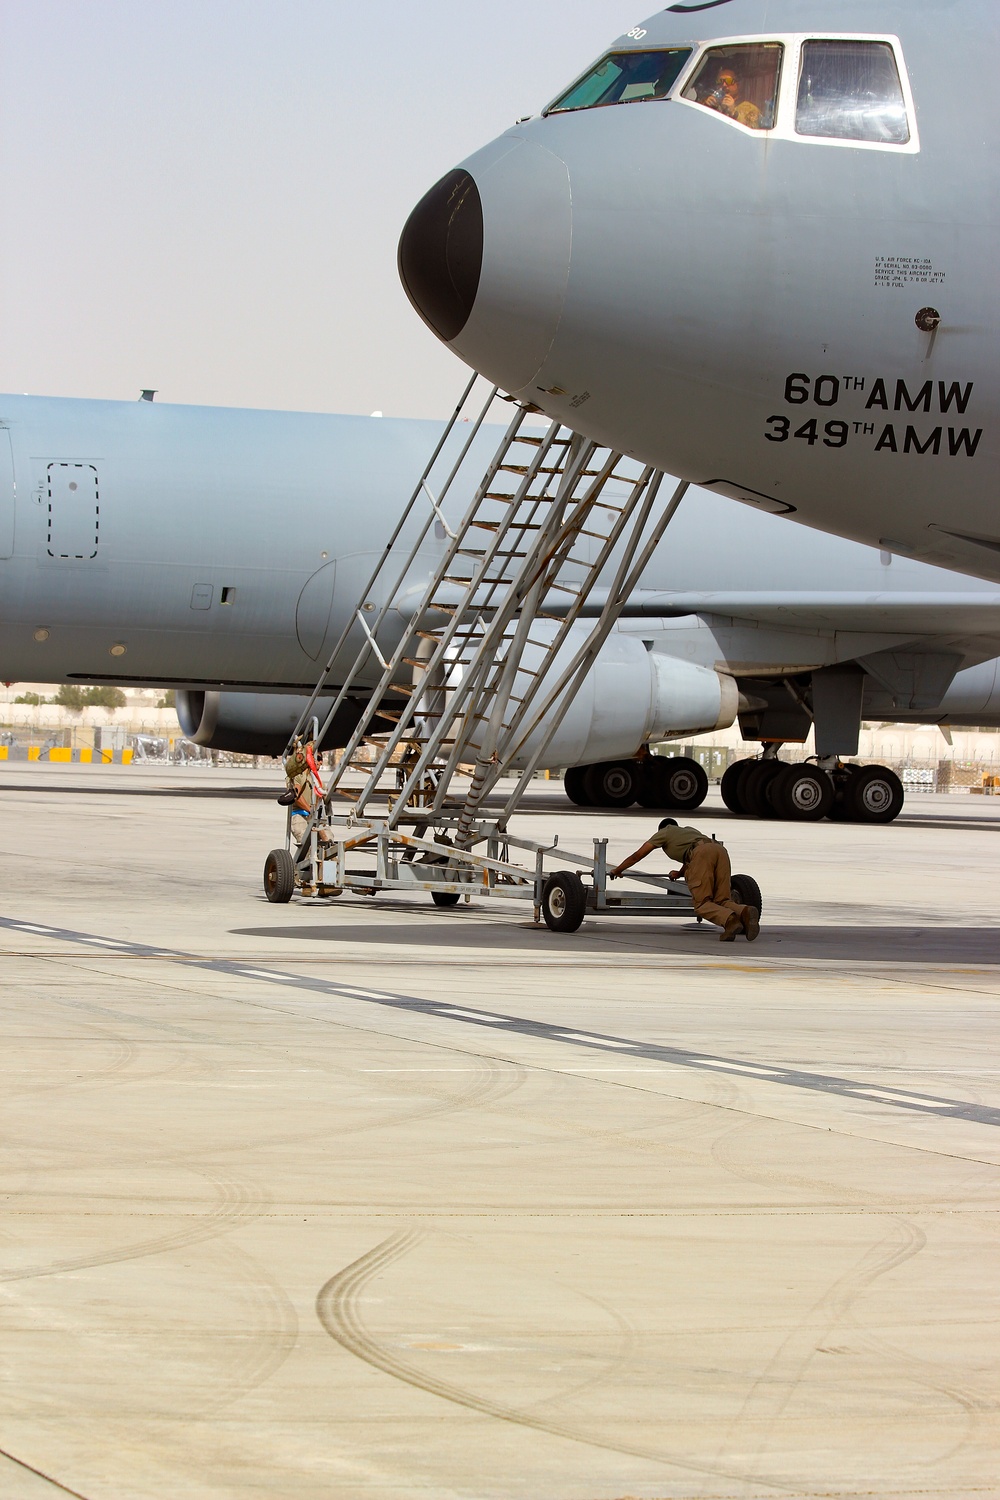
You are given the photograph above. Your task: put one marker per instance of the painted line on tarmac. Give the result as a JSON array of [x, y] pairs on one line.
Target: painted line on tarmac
[[594, 1041]]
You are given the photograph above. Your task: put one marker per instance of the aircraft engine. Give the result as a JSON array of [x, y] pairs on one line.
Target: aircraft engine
[[631, 695], [254, 723]]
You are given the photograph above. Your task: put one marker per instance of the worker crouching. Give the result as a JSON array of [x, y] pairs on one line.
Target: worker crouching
[[704, 866]]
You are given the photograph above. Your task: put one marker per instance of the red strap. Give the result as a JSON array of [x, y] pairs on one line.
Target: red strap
[[314, 768]]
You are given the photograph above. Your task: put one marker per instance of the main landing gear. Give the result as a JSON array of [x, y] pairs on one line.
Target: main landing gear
[[770, 788], [660, 782]]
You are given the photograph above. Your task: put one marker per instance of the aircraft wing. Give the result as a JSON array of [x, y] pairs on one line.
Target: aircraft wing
[[972, 613]]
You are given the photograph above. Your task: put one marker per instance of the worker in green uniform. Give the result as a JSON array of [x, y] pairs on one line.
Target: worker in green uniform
[[704, 865]]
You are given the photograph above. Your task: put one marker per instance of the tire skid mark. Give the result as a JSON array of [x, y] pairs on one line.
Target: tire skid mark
[[268, 1331], [338, 1312], [125, 1050], [40, 1474], [594, 1043], [235, 1203], [502, 1076], [734, 1153], [930, 1375], [773, 1389]]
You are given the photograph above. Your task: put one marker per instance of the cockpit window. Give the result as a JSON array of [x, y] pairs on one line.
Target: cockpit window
[[851, 91], [740, 82], [625, 78]]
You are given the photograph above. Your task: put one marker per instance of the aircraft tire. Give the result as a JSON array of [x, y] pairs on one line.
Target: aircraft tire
[[802, 794], [753, 788], [673, 782], [573, 785], [686, 783], [746, 892], [564, 901], [874, 795], [612, 783], [445, 898], [279, 876], [731, 785]]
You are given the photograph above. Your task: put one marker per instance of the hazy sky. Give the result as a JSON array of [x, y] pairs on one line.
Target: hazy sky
[[205, 195]]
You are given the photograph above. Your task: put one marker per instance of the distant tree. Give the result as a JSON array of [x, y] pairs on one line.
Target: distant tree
[[33, 698], [71, 696], [169, 699], [105, 697]]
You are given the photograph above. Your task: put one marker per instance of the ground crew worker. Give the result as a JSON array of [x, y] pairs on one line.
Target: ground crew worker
[[704, 865], [300, 781]]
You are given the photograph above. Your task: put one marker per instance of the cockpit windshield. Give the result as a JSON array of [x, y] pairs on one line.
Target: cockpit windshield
[[741, 82], [850, 91], [625, 78]]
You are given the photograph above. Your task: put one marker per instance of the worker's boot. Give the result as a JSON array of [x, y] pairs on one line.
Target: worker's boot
[[751, 923], [732, 927]]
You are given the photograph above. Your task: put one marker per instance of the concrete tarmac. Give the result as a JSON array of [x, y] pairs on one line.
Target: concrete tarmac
[[369, 1199]]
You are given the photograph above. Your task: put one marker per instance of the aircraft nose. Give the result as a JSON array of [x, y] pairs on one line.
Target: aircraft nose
[[484, 258], [441, 253]]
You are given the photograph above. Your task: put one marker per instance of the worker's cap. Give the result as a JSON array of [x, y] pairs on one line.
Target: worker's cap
[[667, 823]]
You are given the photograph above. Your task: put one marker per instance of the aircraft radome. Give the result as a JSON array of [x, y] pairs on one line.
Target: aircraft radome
[[755, 245], [220, 552]]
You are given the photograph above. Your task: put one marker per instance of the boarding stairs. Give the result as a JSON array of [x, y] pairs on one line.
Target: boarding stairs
[[475, 667]]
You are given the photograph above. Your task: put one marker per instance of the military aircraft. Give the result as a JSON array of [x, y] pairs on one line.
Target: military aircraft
[[220, 552], [754, 245]]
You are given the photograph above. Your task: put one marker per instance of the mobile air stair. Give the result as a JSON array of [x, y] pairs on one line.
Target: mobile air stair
[[464, 666]]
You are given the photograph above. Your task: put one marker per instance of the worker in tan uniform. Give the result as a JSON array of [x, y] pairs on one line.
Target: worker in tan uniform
[[301, 783], [704, 865]]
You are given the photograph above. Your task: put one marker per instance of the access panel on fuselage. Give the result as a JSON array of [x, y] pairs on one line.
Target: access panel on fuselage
[[74, 510]]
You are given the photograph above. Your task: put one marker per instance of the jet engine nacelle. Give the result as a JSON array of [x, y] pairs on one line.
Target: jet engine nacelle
[[630, 696], [253, 723]]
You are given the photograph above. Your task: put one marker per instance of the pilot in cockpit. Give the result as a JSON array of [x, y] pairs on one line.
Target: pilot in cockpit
[[725, 97]]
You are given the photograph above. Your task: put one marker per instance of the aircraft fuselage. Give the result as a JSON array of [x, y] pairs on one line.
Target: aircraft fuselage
[[805, 322]]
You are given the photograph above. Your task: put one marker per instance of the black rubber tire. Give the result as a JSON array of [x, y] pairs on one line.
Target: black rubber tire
[[564, 901], [279, 876], [753, 787], [445, 898], [674, 782], [802, 794], [729, 786], [746, 892], [874, 795], [573, 785], [612, 783]]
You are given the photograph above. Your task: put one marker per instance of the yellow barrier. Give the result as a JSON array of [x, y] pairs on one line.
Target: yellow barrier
[[85, 756], [3, 752]]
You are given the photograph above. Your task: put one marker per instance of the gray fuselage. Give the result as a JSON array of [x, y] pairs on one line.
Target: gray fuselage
[[743, 306]]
